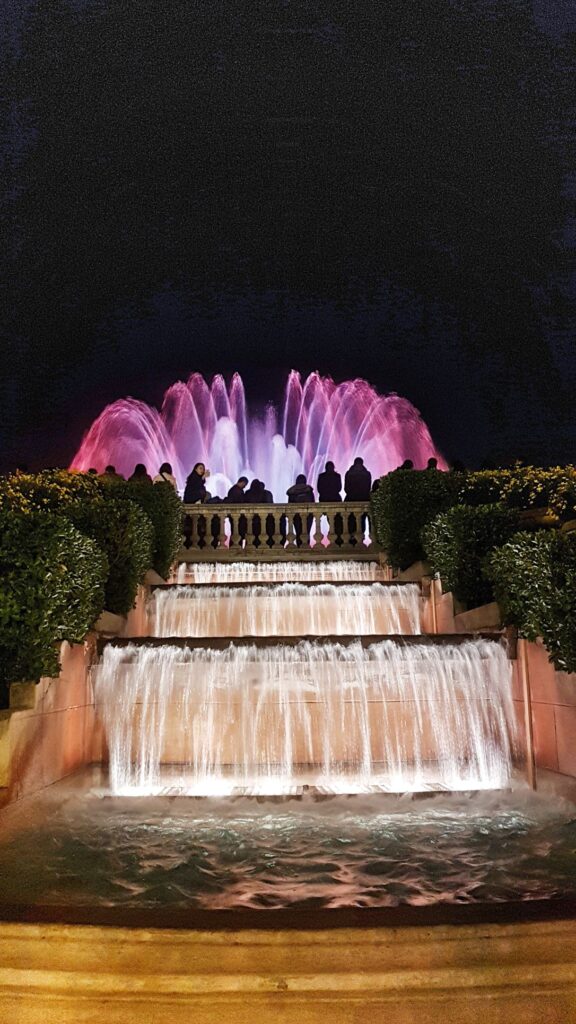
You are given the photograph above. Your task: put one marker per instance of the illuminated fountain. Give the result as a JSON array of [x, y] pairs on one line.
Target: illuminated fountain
[[211, 422]]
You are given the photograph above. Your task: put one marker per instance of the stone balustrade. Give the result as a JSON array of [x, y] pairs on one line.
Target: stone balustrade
[[224, 531]]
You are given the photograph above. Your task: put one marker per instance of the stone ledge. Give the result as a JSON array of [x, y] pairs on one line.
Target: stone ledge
[[485, 616], [110, 624], [58, 974]]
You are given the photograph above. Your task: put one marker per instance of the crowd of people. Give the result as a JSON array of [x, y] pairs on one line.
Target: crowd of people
[[357, 484]]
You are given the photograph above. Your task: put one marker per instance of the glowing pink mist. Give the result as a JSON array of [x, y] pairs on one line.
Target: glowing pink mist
[[210, 423]]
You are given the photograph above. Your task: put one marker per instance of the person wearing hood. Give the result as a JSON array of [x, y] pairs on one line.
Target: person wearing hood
[[300, 493], [358, 481]]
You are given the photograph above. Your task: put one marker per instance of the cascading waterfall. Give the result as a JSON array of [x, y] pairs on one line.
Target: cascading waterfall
[[286, 609], [391, 716], [277, 572]]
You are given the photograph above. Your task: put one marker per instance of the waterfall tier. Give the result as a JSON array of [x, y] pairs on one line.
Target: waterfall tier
[[342, 718], [286, 609], [278, 572]]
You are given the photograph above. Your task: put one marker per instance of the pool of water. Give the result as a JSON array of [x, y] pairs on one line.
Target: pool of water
[[379, 851]]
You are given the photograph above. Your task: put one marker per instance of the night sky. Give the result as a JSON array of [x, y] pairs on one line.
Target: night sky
[[382, 188]]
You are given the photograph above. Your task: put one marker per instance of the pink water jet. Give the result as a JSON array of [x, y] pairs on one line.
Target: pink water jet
[[211, 423]]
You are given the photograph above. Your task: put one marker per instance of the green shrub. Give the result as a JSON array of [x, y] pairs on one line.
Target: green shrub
[[120, 528], [457, 543], [124, 532], [524, 487], [404, 502], [534, 577], [164, 509], [51, 589]]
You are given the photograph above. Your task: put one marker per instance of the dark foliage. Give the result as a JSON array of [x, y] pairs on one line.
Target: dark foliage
[[52, 581], [457, 543], [404, 502], [534, 577]]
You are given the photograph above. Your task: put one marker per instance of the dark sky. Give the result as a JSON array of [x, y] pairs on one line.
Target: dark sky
[[380, 188]]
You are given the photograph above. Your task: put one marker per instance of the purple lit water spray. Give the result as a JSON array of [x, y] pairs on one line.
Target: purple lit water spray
[[211, 423]]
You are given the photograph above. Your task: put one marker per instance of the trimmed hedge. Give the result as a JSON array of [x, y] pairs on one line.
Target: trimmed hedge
[[164, 510], [405, 501], [105, 514], [534, 577], [51, 589], [124, 532], [457, 543]]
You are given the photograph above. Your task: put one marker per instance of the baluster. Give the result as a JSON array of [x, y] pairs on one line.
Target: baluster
[[222, 538], [201, 526], [216, 530]]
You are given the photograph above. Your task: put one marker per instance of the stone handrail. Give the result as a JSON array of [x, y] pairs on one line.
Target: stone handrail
[[218, 531]]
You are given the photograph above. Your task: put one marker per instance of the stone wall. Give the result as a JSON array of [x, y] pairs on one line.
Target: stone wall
[[48, 732], [51, 729]]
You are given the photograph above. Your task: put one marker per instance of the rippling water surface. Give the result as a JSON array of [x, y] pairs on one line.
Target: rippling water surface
[[373, 852]]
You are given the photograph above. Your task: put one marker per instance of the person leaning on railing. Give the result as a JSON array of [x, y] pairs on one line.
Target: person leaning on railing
[[301, 493]]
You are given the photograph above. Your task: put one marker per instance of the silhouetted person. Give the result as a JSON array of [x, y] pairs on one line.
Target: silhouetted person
[[236, 493], [407, 464], [165, 476], [268, 496], [255, 493], [140, 476], [329, 484], [432, 463], [300, 493], [110, 471], [92, 472], [375, 484], [195, 490], [358, 481]]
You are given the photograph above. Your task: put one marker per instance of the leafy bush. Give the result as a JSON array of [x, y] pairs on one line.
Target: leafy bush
[[51, 589], [48, 491], [404, 502], [534, 576], [524, 487], [124, 532], [120, 528], [457, 543], [164, 509]]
